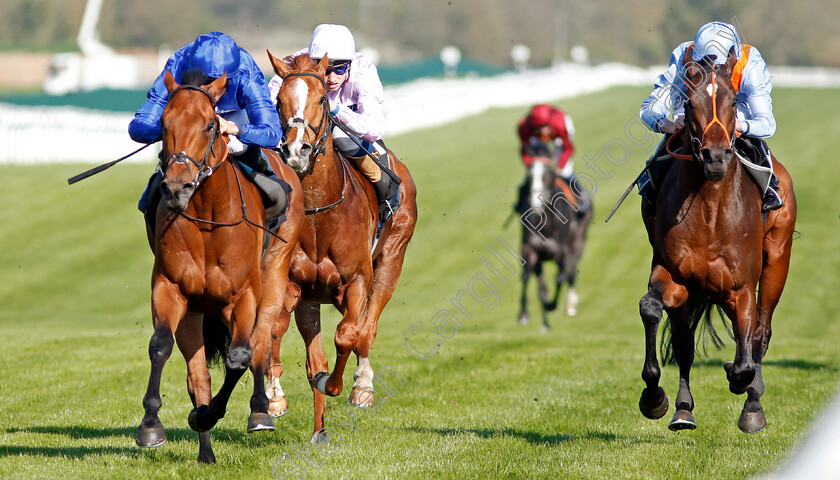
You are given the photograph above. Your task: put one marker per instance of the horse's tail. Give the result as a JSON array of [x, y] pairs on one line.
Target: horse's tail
[[698, 309], [216, 340]]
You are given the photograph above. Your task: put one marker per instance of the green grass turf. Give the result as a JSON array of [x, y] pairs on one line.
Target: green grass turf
[[497, 400]]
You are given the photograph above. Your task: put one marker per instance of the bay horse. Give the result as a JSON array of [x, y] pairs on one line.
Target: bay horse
[[209, 285], [712, 247], [334, 262], [551, 232]]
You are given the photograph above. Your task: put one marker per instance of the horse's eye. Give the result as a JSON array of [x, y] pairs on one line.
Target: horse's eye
[[211, 126]]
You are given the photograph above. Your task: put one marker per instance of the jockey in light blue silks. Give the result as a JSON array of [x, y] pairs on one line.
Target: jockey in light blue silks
[[245, 111], [754, 119]]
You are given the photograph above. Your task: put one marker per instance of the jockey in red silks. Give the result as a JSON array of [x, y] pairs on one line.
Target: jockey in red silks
[[547, 131], [754, 118], [356, 97]]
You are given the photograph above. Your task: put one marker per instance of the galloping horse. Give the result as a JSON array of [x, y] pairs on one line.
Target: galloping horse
[[334, 263], [558, 235], [711, 247], [208, 241]]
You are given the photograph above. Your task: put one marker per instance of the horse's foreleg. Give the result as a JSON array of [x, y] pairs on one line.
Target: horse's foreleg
[[168, 307], [662, 292], [682, 341], [190, 339], [741, 309], [271, 312], [238, 359], [308, 320], [542, 290], [527, 269], [346, 337]]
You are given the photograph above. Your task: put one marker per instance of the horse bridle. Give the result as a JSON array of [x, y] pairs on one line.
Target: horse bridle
[[695, 154], [204, 170], [320, 145]]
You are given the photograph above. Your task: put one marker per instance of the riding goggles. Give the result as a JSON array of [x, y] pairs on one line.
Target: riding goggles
[[339, 68]]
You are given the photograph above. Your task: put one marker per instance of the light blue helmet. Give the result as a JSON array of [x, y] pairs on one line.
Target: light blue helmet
[[715, 39]]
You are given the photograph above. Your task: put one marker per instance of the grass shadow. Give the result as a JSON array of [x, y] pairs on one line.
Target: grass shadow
[[784, 363], [531, 437]]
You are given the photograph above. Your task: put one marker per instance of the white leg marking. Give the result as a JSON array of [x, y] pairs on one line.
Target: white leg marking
[[364, 374]]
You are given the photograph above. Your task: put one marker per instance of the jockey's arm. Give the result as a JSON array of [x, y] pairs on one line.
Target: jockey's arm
[[524, 140], [264, 127], [756, 86], [367, 120], [145, 127], [566, 134], [666, 96]]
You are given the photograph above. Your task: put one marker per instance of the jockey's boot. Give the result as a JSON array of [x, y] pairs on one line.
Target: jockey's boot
[[584, 200], [273, 189], [656, 169], [387, 194], [148, 203], [771, 200]]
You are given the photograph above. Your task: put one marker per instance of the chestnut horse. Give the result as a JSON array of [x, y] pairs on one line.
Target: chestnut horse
[[334, 263], [208, 242], [711, 247], [551, 231]]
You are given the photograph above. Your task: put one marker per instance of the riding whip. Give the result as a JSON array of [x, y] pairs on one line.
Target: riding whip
[[104, 166], [626, 192], [376, 160]]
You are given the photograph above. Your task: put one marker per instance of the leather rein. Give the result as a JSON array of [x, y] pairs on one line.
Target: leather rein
[[205, 170]]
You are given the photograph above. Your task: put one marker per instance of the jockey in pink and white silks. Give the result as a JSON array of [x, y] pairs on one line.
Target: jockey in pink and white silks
[[754, 118], [355, 96]]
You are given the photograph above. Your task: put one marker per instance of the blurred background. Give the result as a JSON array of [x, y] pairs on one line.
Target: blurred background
[[410, 33]]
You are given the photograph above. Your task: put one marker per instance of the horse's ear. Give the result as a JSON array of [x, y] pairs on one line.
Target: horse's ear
[[280, 67], [691, 67], [322, 66], [730, 61], [169, 81], [217, 86]]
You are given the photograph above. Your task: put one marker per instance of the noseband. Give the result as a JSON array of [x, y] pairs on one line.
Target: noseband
[[204, 170], [699, 141], [320, 145]]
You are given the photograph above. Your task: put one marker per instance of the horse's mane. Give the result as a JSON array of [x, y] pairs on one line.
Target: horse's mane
[[195, 77]]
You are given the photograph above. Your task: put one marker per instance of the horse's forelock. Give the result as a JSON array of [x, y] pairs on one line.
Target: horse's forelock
[[304, 63]]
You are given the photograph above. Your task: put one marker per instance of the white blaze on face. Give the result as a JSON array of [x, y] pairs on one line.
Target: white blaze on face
[[537, 186], [300, 92], [710, 89]]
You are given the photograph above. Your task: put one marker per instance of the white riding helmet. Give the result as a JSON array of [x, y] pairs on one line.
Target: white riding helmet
[[335, 41], [715, 39]]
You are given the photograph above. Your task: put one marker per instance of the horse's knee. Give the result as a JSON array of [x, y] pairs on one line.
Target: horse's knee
[[239, 358], [346, 335], [650, 308], [160, 345]]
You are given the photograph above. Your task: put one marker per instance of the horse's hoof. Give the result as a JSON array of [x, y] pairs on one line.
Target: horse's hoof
[[545, 329], [523, 319], [259, 421], [319, 382], [150, 437], [320, 438], [752, 422], [362, 397], [738, 381], [207, 458], [278, 406], [197, 419], [571, 310], [682, 420], [657, 411]]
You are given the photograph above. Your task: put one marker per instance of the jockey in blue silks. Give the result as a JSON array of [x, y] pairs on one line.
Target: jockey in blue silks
[[754, 118], [245, 111]]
